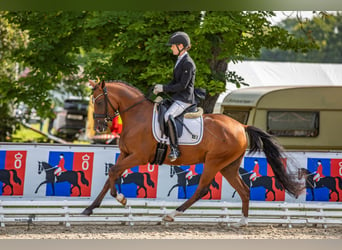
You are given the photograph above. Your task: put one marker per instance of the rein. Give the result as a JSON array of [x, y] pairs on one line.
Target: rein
[[48, 169]]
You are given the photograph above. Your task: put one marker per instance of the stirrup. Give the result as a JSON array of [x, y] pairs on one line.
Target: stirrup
[[174, 154]]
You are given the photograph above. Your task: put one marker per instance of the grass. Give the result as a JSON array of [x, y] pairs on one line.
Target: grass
[[24, 134]]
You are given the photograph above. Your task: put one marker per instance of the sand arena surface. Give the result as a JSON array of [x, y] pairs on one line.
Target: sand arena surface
[[172, 231]]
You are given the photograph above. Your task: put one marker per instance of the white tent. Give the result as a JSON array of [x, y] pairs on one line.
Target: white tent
[[261, 73]]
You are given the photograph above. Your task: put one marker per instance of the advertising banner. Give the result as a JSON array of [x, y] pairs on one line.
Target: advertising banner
[[54, 171], [12, 172]]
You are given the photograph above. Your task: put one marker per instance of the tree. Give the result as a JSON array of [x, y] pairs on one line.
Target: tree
[[324, 30], [11, 38], [130, 45]]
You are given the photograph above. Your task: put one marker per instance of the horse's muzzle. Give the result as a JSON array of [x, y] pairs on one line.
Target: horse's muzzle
[[102, 127]]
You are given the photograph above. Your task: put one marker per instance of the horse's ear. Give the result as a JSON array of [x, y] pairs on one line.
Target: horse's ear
[[92, 83], [103, 84]]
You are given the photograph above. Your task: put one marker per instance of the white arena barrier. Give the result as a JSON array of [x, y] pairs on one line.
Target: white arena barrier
[[141, 211], [32, 193]]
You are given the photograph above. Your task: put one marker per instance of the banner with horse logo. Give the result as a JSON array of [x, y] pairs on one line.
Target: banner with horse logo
[[187, 181], [259, 176], [323, 178], [12, 172], [138, 182], [67, 174]]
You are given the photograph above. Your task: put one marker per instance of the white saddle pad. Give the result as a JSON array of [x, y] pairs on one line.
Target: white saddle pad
[[195, 125]]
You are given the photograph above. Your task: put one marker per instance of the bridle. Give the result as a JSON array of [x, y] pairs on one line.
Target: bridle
[[105, 115]]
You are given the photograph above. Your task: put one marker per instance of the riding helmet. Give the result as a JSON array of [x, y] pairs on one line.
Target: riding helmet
[[179, 37]]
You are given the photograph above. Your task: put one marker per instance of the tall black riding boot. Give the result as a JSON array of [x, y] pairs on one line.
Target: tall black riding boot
[[173, 135]]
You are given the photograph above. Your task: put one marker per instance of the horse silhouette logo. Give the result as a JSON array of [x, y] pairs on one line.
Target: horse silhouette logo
[[333, 184], [137, 184], [269, 183], [259, 177], [12, 172], [187, 178], [5, 178], [69, 176]]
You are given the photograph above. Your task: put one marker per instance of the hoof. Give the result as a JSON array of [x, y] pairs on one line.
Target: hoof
[[168, 218], [242, 223], [121, 198], [87, 212], [124, 201]]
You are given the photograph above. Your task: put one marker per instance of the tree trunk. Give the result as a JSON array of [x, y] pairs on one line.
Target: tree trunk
[[209, 103]]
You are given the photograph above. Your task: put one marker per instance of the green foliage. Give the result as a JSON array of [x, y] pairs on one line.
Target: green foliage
[[325, 31], [67, 48]]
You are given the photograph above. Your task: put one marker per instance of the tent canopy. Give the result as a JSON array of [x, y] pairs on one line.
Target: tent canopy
[[261, 73]]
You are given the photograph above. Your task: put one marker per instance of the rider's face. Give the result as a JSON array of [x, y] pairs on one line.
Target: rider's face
[[175, 50]]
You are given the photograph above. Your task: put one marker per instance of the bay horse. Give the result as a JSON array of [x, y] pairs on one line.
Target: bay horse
[[221, 149], [182, 181], [333, 183], [136, 178], [69, 176], [5, 178], [268, 182]]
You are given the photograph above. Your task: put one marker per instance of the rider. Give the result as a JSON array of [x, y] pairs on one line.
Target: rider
[[255, 172], [319, 172], [181, 87], [191, 172], [60, 167]]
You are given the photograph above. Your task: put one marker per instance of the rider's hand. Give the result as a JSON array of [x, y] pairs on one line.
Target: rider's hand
[[157, 89]]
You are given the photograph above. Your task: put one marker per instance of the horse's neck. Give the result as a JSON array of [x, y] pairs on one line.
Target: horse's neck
[[131, 100], [46, 166], [125, 95]]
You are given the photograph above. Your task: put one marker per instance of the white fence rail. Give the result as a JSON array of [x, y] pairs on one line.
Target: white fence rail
[[142, 211]]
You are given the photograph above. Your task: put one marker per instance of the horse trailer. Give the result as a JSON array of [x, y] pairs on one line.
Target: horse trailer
[[301, 117]]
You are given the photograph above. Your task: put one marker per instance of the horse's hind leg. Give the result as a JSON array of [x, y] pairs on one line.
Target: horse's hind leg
[[232, 176], [97, 202], [11, 186], [202, 189]]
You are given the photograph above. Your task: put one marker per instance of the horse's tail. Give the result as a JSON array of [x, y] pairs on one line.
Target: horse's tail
[[15, 176], [83, 179], [148, 180], [260, 140]]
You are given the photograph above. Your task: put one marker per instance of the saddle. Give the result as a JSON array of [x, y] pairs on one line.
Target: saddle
[[189, 127], [191, 112]]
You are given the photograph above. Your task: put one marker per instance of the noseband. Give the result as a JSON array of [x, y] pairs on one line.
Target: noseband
[[106, 116]]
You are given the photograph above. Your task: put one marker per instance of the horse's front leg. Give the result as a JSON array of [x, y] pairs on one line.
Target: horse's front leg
[[44, 182], [174, 186], [97, 202], [117, 170]]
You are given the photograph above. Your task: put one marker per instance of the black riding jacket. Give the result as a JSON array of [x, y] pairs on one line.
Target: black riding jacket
[[182, 85]]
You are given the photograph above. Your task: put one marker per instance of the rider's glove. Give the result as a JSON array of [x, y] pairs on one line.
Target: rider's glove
[[157, 89]]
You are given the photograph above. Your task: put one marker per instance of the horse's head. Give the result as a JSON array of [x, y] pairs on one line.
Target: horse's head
[[172, 171], [302, 173], [104, 110], [40, 167], [107, 167]]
